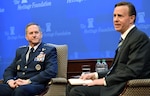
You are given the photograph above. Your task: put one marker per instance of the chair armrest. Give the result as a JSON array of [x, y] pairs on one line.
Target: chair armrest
[[138, 82], [1, 81], [59, 80]]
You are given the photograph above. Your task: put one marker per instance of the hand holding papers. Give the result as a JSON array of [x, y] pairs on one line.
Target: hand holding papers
[[75, 81], [83, 79]]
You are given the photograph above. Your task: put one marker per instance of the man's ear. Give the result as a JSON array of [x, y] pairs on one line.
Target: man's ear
[[132, 18], [41, 35], [26, 37]]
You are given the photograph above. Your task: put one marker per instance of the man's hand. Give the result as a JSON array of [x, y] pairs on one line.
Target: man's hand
[[96, 82], [12, 83], [88, 76], [20, 82]]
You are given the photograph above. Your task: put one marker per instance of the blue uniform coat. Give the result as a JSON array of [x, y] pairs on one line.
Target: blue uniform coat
[[39, 70]]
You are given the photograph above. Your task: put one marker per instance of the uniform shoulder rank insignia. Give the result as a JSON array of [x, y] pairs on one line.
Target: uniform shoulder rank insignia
[[49, 44], [43, 49], [23, 46]]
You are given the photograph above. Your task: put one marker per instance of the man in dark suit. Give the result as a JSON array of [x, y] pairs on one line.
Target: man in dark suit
[[30, 72], [132, 59]]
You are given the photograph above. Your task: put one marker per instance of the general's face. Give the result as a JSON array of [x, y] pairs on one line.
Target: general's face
[[122, 20], [33, 35]]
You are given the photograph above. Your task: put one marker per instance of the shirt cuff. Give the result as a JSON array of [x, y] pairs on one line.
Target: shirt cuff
[[105, 84], [8, 80], [29, 81], [96, 75]]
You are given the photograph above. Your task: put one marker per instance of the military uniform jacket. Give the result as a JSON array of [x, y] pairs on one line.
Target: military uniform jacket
[[40, 69]]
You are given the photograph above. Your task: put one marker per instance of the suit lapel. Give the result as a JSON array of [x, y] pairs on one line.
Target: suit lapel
[[126, 40]]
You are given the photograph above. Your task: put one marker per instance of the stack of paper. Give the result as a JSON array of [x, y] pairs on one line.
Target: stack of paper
[[74, 81]]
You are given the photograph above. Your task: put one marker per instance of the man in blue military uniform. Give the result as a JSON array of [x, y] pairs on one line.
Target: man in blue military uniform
[[32, 68]]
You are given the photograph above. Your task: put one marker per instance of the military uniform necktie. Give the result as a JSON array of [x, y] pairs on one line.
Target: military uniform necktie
[[30, 54]]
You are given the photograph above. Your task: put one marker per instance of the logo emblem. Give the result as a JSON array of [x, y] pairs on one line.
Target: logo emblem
[[48, 27], [141, 16], [90, 22], [12, 30]]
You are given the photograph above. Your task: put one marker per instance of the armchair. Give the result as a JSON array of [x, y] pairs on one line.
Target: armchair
[[58, 84], [137, 87]]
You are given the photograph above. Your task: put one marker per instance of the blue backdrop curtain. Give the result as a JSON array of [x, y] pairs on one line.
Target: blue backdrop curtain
[[86, 26]]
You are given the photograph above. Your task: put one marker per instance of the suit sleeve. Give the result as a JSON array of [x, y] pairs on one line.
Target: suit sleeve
[[132, 63]]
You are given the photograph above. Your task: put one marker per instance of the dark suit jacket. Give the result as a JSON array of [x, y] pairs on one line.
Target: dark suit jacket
[[131, 62], [37, 70]]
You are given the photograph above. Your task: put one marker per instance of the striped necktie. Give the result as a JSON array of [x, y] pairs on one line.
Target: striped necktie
[[120, 43]]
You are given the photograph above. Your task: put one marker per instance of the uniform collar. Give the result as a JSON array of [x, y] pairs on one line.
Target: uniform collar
[[35, 47]]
